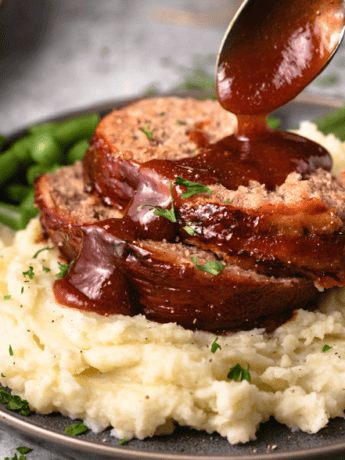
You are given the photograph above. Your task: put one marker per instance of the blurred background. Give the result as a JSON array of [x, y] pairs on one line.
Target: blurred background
[[58, 56], [61, 55]]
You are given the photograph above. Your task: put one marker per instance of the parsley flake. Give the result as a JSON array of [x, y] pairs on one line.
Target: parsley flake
[[2, 375], [237, 372], [22, 451], [273, 122], [43, 249], [326, 348], [227, 201], [7, 297], [192, 187], [46, 269], [30, 273], [10, 350], [148, 133], [123, 441], [180, 123], [189, 230], [167, 213], [76, 428], [213, 266], [14, 403], [22, 290], [215, 346], [63, 269]]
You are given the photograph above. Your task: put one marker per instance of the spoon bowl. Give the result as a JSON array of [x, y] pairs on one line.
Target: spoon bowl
[[273, 49]]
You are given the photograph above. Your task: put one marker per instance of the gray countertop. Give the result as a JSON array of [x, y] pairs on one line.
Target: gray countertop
[[61, 55]]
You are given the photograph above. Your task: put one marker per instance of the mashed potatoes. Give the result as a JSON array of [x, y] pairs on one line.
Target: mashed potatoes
[[138, 376]]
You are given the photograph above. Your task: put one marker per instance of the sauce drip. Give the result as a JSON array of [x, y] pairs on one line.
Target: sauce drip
[[273, 50], [255, 76]]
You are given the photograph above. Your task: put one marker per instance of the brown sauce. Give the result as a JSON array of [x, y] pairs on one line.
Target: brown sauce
[[116, 274], [250, 85]]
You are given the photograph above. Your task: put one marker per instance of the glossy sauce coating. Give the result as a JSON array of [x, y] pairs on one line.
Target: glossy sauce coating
[[274, 50], [130, 277], [250, 84]]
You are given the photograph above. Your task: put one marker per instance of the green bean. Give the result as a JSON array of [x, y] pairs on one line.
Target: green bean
[[13, 216], [22, 149], [53, 168], [77, 128], [46, 150], [29, 199], [69, 131], [8, 165], [77, 151], [329, 122], [28, 205], [41, 128], [44, 144], [33, 171], [17, 192]]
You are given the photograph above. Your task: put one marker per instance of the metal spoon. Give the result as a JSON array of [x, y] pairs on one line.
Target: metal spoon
[[273, 49]]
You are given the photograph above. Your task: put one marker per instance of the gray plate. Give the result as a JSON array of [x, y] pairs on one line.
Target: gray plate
[[274, 441]]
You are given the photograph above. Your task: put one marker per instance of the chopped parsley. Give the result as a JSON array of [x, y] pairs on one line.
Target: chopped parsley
[[326, 348], [273, 122], [22, 451], [76, 428], [213, 266], [189, 230], [227, 201], [2, 375], [237, 372], [167, 213], [63, 269], [10, 350], [43, 249], [46, 269], [14, 403], [215, 345], [123, 441], [148, 133], [7, 297], [30, 273], [180, 123], [22, 290], [192, 187]]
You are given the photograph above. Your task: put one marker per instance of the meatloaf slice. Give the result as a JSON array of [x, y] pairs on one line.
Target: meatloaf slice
[[297, 228], [300, 225], [64, 207], [164, 128], [165, 281]]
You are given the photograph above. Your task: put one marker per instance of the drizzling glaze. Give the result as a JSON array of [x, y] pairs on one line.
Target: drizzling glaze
[[251, 82]]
